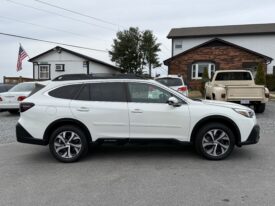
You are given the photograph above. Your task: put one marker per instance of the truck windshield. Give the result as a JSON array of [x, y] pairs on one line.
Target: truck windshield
[[170, 82], [227, 76]]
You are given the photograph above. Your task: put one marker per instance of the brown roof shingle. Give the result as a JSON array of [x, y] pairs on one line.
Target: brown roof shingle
[[229, 30]]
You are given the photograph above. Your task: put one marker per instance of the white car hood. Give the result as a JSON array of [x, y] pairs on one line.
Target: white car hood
[[224, 104]]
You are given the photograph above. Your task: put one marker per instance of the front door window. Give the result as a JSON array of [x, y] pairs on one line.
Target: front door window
[[147, 93]]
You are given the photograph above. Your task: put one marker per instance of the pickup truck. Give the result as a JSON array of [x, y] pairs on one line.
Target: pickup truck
[[237, 86]]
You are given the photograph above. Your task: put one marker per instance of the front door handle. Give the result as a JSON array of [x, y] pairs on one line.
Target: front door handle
[[83, 109], [137, 111]]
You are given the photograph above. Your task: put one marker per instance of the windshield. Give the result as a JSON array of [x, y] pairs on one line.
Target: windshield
[[170, 82], [22, 87], [36, 88], [227, 76]]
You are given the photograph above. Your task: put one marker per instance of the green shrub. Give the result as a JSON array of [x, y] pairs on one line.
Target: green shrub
[[270, 82], [205, 78], [260, 75]]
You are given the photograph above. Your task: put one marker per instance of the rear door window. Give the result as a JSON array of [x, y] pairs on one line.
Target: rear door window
[[109, 92], [66, 92]]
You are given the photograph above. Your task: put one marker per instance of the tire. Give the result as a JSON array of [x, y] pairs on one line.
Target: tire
[[259, 108], [14, 111], [68, 144], [216, 149]]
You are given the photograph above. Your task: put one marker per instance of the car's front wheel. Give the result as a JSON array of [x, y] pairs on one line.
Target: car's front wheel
[[215, 141], [68, 144]]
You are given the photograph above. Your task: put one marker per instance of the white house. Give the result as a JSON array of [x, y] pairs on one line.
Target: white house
[[257, 38], [59, 61]]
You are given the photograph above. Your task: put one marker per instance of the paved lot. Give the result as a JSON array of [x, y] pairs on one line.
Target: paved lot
[[138, 175]]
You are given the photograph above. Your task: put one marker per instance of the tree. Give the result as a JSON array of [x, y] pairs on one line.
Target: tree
[[125, 50], [133, 49], [260, 75], [149, 49]]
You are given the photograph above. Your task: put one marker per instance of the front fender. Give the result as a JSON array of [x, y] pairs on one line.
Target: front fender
[[217, 93]]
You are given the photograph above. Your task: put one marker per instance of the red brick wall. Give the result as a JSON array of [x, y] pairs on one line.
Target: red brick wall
[[225, 57]]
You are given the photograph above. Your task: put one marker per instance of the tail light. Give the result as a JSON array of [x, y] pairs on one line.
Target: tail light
[[24, 106], [21, 98], [182, 89]]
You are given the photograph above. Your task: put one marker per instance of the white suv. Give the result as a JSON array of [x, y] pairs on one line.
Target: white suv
[[174, 82], [70, 114]]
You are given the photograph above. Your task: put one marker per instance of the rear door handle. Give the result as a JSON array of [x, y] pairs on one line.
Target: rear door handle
[[137, 111], [83, 109]]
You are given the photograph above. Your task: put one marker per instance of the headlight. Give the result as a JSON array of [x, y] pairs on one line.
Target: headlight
[[244, 112]]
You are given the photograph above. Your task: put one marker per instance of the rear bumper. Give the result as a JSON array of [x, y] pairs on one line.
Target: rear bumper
[[254, 136], [5, 107], [23, 136]]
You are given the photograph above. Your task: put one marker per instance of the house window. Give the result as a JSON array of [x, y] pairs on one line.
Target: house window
[[178, 46], [198, 69], [44, 71], [60, 67]]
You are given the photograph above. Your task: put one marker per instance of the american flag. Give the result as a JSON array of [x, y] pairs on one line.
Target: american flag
[[21, 56]]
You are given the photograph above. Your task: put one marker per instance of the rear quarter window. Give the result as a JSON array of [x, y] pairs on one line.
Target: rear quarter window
[[66, 92]]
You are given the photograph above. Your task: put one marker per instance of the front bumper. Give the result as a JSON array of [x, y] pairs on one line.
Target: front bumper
[[254, 136], [23, 136]]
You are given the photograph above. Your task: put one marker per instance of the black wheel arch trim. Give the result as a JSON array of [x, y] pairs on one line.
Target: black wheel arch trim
[[64, 121], [220, 119]]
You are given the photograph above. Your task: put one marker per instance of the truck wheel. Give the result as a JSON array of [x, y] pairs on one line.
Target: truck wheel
[[213, 97], [215, 141], [259, 108]]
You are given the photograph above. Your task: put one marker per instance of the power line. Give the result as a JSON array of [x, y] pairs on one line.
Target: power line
[[52, 42], [46, 27], [78, 13], [57, 14]]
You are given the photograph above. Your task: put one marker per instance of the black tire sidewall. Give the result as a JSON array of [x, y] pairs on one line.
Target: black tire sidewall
[[79, 132], [206, 128], [260, 108]]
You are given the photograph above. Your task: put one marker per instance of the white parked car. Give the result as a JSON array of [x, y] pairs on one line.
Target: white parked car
[[9, 101], [175, 82], [68, 115]]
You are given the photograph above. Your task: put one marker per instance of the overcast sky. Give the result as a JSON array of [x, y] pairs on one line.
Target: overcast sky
[[157, 15]]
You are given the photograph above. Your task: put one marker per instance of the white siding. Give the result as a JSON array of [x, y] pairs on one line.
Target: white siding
[[100, 68], [73, 64], [264, 44]]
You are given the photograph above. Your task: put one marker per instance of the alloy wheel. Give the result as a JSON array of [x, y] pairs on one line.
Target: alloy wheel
[[67, 144], [215, 142]]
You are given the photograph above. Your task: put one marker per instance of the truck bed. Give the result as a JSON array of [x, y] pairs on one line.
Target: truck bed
[[238, 93]]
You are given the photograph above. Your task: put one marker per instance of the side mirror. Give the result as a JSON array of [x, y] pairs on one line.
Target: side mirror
[[173, 101]]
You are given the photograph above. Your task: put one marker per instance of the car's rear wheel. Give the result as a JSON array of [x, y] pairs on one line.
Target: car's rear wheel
[[215, 141], [68, 144]]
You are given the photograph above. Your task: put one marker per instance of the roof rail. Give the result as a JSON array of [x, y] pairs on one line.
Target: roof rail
[[70, 77]]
